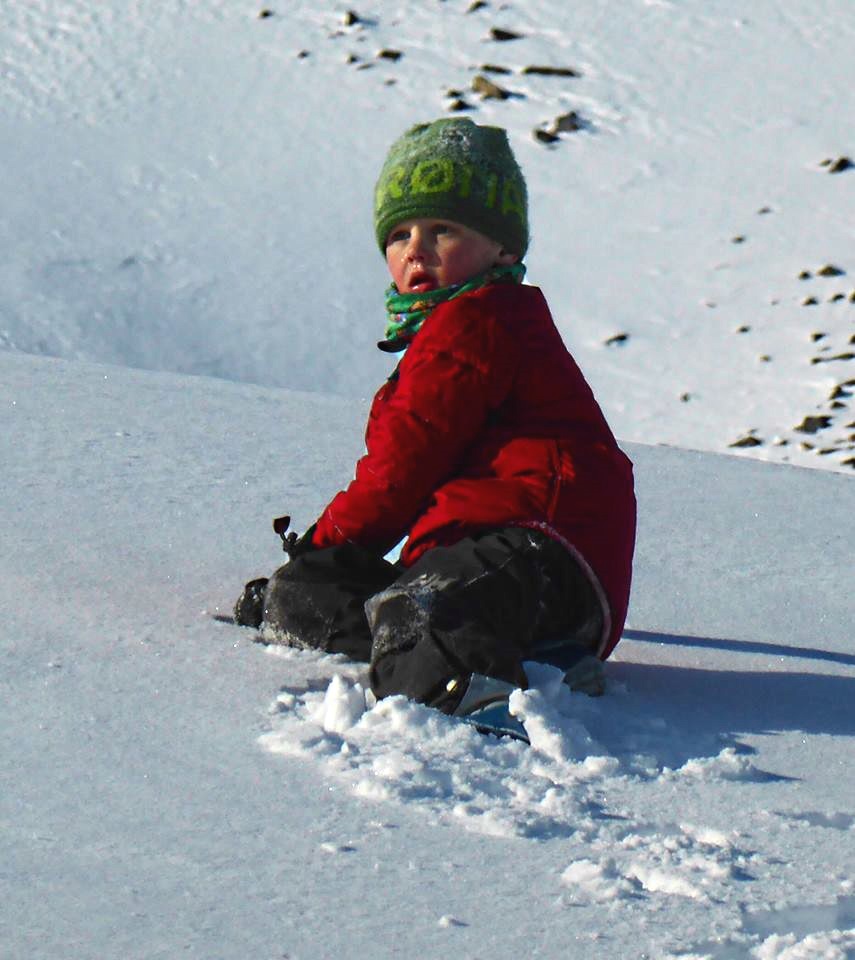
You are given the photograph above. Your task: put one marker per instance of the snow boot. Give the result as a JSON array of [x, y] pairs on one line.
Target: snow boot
[[249, 609], [587, 676], [583, 672], [484, 705]]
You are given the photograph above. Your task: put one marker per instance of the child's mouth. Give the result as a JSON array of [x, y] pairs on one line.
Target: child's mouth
[[421, 282]]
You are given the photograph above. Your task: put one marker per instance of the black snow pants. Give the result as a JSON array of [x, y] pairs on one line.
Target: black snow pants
[[483, 605]]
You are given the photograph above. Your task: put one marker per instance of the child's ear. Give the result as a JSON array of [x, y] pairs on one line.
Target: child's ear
[[505, 259]]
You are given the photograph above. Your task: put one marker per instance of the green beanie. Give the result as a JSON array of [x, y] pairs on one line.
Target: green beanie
[[453, 169]]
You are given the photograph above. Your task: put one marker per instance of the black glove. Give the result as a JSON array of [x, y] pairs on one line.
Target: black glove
[[249, 609], [294, 545]]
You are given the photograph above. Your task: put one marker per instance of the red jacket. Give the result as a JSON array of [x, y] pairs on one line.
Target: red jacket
[[488, 422]]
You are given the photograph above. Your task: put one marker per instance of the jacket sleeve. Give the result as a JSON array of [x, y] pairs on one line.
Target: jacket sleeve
[[459, 367]]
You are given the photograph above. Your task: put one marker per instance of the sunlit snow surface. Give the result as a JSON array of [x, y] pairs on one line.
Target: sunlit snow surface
[[171, 787], [186, 189]]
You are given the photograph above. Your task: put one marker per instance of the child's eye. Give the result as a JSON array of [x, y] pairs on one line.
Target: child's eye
[[396, 237]]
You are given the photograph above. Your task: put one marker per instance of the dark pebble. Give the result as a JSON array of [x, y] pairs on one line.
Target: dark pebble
[[748, 441], [813, 424], [503, 36], [552, 71]]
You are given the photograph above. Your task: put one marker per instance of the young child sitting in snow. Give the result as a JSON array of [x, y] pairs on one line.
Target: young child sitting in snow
[[485, 448]]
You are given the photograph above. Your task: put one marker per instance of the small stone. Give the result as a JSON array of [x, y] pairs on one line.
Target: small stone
[[351, 18], [568, 123], [265, 13], [477, 5], [836, 297], [617, 339], [813, 424], [830, 270], [352, 58], [459, 104], [303, 54], [852, 297], [838, 392], [487, 89], [840, 164], [837, 405], [544, 136], [551, 71], [503, 36], [805, 275], [764, 358], [495, 68], [747, 441], [387, 54], [454, 93], [743, 329], [685, 397], [740, 238], [816, 337], [764, 210], [848, 462], [810, 302]]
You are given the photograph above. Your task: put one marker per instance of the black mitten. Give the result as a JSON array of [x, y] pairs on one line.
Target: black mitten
[[249, 609]]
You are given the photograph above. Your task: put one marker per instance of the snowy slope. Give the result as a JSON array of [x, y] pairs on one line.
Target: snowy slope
[[170, 788], [188, 189]]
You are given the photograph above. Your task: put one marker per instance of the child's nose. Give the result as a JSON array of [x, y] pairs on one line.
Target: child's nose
[[417, 249]]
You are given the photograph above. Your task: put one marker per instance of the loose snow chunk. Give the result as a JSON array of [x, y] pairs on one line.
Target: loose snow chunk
[[396, 766], [656, 880], [601, 766], [372, 790], [489, 822], [707, 836], [728, 765], [559, 737], [596, 882], [833, 945], [342, 706]]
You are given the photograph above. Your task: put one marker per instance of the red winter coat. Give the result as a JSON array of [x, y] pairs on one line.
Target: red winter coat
[[488, 423]]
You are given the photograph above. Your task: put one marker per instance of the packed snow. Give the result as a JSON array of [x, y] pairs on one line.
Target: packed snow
[[189, 299]]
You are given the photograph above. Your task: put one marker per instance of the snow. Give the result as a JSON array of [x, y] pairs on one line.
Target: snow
[[189, 299]]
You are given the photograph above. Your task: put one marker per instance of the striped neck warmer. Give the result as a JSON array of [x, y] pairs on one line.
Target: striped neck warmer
[[406, 312]]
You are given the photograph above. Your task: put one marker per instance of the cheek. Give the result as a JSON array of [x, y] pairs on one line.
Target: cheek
[[394, 263], [464, 261]]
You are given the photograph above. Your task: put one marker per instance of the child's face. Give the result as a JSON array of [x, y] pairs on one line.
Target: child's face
[[424, 254]]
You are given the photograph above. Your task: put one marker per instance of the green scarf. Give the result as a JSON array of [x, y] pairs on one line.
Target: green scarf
[[406, 312]]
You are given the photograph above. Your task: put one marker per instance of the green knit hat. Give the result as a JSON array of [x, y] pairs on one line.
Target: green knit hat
[[453, 169]]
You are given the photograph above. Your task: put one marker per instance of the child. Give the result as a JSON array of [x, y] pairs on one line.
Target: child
[[485, 448]]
